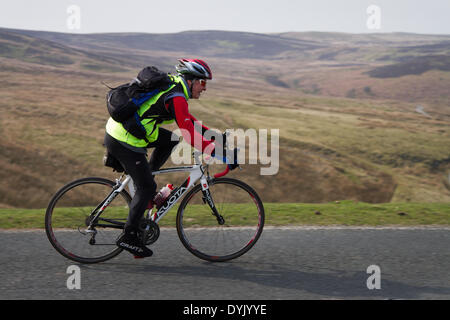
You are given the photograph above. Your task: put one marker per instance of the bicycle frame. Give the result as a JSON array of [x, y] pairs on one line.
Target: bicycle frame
[[197, 172]]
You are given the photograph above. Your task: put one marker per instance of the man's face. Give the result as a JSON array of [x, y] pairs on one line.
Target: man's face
[[199, 85]]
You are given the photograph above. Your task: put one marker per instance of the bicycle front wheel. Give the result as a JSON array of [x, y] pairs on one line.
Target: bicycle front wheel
[[243, 220], [69, 214]]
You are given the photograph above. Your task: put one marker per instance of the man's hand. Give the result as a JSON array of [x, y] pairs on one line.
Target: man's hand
[[221, 143], [233, 163]]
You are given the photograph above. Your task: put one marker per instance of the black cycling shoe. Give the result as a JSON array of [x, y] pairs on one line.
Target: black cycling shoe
[[131, 243]]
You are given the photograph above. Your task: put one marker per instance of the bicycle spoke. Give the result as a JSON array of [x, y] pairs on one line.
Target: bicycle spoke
[[69, 223], [204, 237]]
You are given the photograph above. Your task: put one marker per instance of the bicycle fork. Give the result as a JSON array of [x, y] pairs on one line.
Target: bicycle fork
[[207, 199]]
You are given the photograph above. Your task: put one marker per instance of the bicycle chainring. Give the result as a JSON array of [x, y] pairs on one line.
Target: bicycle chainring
[[148, 231]]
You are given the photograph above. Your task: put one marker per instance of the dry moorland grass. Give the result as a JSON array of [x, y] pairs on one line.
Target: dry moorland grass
[[335, 143]]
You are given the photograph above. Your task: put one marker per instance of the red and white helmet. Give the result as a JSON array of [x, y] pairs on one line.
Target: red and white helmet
[[195, 68]]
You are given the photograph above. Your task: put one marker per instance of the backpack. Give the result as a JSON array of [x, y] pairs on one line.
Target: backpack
[[124, 101], [110, 161]]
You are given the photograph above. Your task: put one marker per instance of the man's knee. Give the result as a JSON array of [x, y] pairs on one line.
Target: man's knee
[[150, 188], [173, 145], [146, 189], [174, 141]]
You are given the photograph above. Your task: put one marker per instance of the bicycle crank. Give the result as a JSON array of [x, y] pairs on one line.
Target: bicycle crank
[[148, 231]]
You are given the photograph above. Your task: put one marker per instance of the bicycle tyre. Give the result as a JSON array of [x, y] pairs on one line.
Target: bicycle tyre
[[183, 219], [50, 231]]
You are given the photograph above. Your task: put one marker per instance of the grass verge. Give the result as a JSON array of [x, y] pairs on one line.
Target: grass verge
[[345, 213]]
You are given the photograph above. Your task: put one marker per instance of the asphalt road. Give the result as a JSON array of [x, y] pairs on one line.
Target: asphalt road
[[286, 264]]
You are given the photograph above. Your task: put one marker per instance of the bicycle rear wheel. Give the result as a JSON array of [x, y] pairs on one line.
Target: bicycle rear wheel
[[68, 216], [203, 235]]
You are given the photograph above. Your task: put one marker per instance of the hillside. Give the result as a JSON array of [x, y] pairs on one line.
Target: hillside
[[346, 106]]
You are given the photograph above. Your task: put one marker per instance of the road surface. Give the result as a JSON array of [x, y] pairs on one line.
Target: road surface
[[286, 264]]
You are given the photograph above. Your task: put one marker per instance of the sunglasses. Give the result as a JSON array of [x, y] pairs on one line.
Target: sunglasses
[[202, 82]]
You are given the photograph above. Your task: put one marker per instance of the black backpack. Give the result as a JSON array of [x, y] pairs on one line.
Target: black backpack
[[124, 101]]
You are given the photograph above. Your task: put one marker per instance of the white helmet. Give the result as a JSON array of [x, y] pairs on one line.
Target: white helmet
[[195, 68]]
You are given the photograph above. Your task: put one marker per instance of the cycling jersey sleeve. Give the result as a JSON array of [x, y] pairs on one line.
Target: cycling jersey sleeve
[[179, 108], [204, 128]]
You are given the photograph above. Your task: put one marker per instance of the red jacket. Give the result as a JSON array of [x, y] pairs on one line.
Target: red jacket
[[185, 121]]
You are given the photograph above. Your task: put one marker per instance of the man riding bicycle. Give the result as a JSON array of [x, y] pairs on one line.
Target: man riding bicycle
[[131, 151]]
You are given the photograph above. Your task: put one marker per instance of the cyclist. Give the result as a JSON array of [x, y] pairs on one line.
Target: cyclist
[[170, 105]]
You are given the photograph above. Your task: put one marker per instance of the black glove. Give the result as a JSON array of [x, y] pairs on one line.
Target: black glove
[[221, 144], [234, 162], [220, 150]]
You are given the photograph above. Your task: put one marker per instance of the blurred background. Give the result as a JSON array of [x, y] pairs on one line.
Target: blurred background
[[358, 89]]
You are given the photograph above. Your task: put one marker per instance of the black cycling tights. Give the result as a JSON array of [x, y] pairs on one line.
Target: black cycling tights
[[136, 165]]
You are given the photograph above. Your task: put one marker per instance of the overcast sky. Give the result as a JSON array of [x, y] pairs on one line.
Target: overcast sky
[[417, 16]]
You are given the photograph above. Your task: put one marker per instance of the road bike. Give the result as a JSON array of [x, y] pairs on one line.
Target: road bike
[[218, 219]]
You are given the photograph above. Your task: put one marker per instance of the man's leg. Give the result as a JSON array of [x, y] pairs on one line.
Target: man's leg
[[145, 189], [163, 148], [135, 164]]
